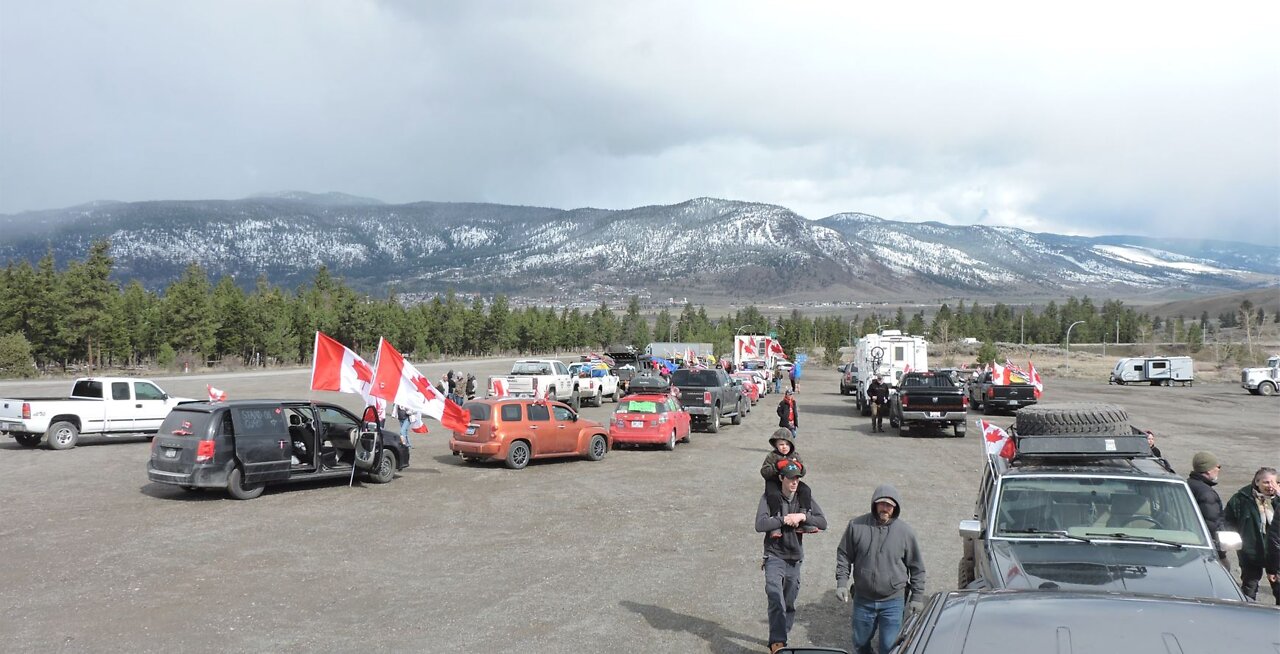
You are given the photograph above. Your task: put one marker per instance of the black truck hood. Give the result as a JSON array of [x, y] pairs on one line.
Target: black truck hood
[[1133, 568]]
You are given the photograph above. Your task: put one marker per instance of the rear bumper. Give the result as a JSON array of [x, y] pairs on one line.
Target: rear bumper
[[940, 416], [203, 476], [1007, 403], [645, 437], [487, 449], [700, 411]]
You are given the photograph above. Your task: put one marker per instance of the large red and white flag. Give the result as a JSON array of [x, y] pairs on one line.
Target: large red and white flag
[[396, 380], [416, 425], [336, 367], [997, 440], [999, 374], [776, 348], [747, 346], [1035, 379], [216, 395]]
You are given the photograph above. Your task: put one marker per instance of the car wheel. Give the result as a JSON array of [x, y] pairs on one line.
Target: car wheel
[[960, 430], [597, 448], [1266, 388], [904, 430], [737, 418], [28, 440], [617, 395], [237, 489], [713, 421], [671, 441], [893, 421], [598, 400], [1073, 418], [386, 468], [62, 435], [518, 455]]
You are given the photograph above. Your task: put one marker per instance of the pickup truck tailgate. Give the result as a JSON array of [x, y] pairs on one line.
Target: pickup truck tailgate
[[693, 397], [10, 411], [932, 401]]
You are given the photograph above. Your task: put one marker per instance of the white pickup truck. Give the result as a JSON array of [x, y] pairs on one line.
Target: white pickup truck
[[540, 378], [594, 382], [104, 406]]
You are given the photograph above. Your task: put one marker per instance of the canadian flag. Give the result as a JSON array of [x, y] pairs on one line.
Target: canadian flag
[[999, 374], [396, 380], [776, 348], [746, 345], [997, 440], [335, 367], [216, 395], [1035, 379], [906, 369], [497, 387]]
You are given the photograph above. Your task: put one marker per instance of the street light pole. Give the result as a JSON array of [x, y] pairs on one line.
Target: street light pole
[[1069, 328], [851, 332]]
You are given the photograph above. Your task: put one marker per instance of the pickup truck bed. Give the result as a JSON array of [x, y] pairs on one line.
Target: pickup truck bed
[[1000, 397], [927, 398]]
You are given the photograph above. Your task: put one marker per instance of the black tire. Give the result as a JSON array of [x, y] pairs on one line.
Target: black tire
[[575, 401], [904, 430], [965, 575], [597, 447], [598, 400], [894, 422], [864, 408], [961, 430], [1073, 418], [62, 435], [28, 440], [1266, 388], [713, 422], [687, 437], [518, 455], [386, 468], [987, 409], [617, 395], [671, 442], [737, 417], [237, 489], [1254, 391]]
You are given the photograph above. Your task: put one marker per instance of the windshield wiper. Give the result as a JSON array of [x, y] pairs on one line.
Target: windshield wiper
[[1051, 532], [1119, 535]]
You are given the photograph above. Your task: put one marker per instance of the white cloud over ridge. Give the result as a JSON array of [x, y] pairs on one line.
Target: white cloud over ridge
[[1089, 118]]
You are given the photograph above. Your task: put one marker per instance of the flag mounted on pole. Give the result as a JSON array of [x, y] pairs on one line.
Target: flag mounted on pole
[[396, 380], [1035, 379], [336, 367], [216, 395], [997, 440]]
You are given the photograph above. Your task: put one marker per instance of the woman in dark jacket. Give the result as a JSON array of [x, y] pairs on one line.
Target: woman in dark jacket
[[788, 413]]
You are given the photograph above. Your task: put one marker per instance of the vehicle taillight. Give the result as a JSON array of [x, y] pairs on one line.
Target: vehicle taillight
[[26, 410], [991, 391], [662, 419], [903, 399], [706, 398], [964, 401], [204, 451]]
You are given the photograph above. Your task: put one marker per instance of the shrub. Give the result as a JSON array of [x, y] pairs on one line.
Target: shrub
[[15, 356]]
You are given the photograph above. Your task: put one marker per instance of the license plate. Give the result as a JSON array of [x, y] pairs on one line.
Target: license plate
[[8, 426], [1013, 403], [637, 424], [471, 431], [934, 414], [170, 453]]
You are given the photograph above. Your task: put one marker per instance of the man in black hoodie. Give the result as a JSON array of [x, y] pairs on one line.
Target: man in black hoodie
[[783, 556], [881, 553], [1204, 476]]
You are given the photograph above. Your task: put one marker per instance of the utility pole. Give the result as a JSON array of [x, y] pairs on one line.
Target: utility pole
[[1022, 339]]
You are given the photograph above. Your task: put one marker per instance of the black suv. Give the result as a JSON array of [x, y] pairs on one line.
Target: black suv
[[245, 444], [1084, 505]]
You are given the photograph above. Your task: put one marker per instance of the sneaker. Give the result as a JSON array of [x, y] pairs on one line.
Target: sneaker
[[776, 533]]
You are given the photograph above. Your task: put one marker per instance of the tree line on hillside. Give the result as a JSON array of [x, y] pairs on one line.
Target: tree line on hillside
[[77, 315]]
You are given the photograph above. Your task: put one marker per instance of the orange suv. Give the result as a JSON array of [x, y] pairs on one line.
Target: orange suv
[[517, 430]]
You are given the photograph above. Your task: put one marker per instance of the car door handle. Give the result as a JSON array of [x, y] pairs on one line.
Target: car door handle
[[533, 426], [137, 406]]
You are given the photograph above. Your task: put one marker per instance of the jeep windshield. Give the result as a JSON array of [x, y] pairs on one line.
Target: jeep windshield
[[1098, 509]]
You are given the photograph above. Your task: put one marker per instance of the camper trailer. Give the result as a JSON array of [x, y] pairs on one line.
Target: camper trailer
[[1157, 371], [888, 354]]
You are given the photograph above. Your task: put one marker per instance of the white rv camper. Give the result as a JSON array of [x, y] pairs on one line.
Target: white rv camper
[[1157, 371], [888, 354]]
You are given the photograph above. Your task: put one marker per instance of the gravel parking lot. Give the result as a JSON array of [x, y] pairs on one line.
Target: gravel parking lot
[[644, 551]]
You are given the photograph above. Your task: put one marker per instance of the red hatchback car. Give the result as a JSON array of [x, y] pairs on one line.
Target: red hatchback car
[[650, 419]]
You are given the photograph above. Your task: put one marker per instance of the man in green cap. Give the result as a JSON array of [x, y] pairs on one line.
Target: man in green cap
[[1203, 477]]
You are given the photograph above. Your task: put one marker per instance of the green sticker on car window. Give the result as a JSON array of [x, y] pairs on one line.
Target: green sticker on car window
[[642, 407]]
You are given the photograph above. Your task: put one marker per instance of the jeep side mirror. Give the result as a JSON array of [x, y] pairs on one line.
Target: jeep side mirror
[[1229, 541], [970, 529]]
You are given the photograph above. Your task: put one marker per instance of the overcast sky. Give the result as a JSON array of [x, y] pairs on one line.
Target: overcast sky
[[1085, 117]]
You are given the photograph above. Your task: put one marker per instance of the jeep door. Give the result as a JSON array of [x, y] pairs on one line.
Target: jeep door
[[150, 406], [262, 442]]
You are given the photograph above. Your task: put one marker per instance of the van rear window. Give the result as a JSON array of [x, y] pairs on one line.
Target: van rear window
[[186, 423], [479, 411]]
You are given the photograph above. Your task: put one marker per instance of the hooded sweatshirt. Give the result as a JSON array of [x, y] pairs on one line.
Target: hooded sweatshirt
[[885, 560]]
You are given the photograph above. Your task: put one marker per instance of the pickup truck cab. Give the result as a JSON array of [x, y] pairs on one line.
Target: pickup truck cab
[[99, 406], [541, 379], [710, 396], [992, 397], [928, 399], [243, 445], [595, 381]]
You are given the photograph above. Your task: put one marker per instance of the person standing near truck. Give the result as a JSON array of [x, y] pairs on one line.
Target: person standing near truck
[[784, 555], [878, 398], [1250, 512]]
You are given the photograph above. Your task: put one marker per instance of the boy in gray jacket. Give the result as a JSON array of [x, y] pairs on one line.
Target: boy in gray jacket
[[881, 552]]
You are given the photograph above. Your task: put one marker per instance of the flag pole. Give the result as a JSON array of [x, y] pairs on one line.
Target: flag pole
[[376, 357]]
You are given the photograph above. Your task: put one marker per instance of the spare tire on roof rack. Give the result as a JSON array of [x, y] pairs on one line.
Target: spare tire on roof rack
[[1072, 418]]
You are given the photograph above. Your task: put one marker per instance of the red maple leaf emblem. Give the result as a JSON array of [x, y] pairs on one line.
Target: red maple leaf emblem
[[363, 372], [424, 387]]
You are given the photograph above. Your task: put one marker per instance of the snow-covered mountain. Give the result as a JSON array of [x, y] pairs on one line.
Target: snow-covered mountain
[[705, 244]]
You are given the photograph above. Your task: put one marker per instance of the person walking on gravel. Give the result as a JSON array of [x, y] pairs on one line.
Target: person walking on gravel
[[878, 398], [788, 414], [1204, 476], [879, 560], [783, 556], [1250, 512]]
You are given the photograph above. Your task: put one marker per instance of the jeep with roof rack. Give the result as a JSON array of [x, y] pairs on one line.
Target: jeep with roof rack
[[1083, 504]]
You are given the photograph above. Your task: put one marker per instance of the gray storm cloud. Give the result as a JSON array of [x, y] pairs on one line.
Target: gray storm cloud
[[1107, 119]]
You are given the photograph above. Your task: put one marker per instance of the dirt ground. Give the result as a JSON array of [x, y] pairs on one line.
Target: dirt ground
[[644, 551]]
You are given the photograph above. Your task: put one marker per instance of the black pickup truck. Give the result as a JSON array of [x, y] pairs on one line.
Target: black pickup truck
[[995, 397], [928, 398], [709, 396]]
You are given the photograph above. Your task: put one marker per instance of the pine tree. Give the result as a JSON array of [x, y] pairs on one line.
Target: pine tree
[[188, 307]]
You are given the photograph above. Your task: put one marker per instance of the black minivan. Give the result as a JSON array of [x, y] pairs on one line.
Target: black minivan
[[243, 445]]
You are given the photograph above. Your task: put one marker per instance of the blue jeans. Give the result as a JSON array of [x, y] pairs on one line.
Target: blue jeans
[[871, 616], [404, 431], [781, 586]]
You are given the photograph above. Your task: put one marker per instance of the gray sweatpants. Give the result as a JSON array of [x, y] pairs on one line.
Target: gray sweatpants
[[781, 586]]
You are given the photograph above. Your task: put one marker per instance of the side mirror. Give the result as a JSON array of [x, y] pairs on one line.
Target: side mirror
[[970, 529], [1229, 541], [573, 417]]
